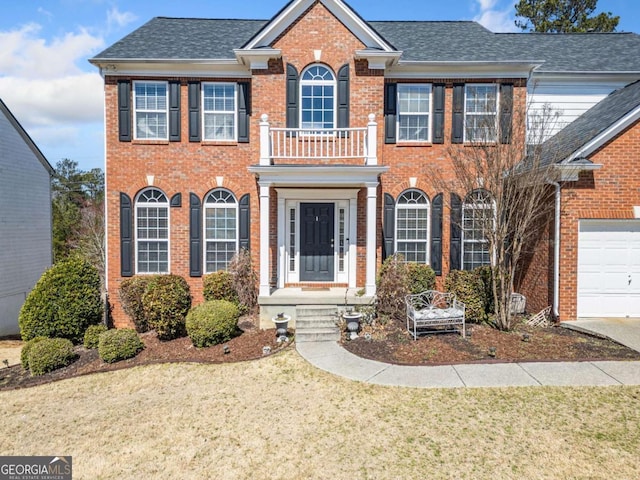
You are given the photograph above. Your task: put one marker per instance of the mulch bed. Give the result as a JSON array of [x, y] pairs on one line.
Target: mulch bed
[[389, 343]]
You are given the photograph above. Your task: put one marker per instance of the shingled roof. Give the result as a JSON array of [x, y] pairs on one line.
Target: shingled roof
[[592, 123]]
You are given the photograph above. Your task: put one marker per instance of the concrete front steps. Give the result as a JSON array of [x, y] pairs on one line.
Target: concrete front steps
[[317, 323]]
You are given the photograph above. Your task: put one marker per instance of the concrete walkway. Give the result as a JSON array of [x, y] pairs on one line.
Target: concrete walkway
[[331, 357]]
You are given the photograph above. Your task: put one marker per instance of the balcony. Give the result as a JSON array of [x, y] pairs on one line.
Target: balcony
[[282, 144]]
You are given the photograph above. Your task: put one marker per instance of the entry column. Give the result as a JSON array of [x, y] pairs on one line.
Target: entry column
[[372, 196], [265, 289]]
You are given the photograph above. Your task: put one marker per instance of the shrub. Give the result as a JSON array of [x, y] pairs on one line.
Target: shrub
[[24, 353], [166, 303], [131, 292], [50, 354], [212, 322], [421, 277], [487, 280], [219, 286], [64, 302], [469, 288], [393, 286], [92, 335], [119, 344], [245, 280]]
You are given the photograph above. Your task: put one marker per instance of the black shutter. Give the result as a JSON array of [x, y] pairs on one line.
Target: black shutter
[[506, 112], [195, 236], [126, 236], [124, 110], [292, 97], [436, 234], [388, 225], [176, 200], [244, 222], [390, 94], [174, 111], [457, 129], [343, 97], [194, 112], [438, 113], [455, 241], [244, 111]]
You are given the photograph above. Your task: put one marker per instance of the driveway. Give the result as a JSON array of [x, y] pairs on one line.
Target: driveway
[[625, 331]]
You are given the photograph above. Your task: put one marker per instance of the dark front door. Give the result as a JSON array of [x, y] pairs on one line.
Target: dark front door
[[316, 242]]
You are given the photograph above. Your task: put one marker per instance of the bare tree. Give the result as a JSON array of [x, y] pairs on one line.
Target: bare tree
[[89, 235], [504, 178]]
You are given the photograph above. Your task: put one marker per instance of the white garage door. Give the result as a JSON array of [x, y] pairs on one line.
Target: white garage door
[[609, 268]]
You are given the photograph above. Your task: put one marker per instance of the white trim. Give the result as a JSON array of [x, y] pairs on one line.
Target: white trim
[[224, 68], [265, 287], [318, 175], [135, 108], [322, 83], [407, 206], [473, 70], [205, 240], [257, 59], [429, 113], [135, 228], [203, 112], [370, 280]]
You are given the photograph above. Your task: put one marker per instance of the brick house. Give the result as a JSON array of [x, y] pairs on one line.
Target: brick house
[[306, 139]]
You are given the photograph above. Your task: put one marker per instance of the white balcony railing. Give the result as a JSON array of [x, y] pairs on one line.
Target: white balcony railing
[[318, 144]]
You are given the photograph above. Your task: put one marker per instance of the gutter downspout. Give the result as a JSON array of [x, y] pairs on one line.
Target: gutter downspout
[[556, 252]]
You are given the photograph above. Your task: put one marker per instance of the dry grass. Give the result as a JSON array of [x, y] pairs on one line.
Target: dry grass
[[10, 351], [279, 418]]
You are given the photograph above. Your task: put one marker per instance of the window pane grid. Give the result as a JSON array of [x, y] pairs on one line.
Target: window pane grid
[[477, 216], [150, 100], [413, 112], [219, 111], [481, 113], [317, 98], [412, 226], [152, 232], [220, 229]]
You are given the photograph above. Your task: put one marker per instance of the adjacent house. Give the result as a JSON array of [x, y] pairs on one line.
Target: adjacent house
[[309, 139], [25, 218]]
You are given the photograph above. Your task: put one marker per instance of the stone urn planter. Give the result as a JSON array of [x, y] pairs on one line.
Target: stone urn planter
[[352, 319], [282, 324]]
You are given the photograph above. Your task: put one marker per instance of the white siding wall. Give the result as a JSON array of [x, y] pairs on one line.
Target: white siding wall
[[568, 99], [25, 223]]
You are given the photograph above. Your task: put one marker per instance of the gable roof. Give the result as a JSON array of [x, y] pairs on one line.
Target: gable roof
[[594, 127], [25, 136]]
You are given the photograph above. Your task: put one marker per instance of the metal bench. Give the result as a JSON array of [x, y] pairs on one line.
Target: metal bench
[[431, 310]]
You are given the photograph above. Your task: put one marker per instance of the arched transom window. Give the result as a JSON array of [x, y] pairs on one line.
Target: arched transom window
[[220, 229], [152, 231], [478, 213], [318, 98], [412, 226]]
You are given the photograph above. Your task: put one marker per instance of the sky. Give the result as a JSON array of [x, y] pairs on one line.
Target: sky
[[57, 95]]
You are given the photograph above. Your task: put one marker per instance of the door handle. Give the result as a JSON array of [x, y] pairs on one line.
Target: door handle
[[629, 282]]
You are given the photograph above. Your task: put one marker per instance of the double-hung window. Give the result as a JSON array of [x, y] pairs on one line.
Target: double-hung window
[[151, 110], [219, 110], [152, 231], [412, 226], [318, 98], [414, 107], [221, 229], [480, 113], [478, 213]]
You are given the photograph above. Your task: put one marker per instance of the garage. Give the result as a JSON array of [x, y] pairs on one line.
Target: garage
[[609, 268]]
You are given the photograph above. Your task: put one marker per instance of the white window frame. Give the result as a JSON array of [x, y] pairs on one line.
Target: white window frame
[[428, 113], [413, 205], [311, 130], [469, 205], [152, 204], [213, 112], [483, 113], [226, 205], [159, 111]]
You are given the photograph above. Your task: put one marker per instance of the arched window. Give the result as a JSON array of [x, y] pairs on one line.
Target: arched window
[[412, 226], [152, 231], [478, 212], [318, 98], [220, 229]]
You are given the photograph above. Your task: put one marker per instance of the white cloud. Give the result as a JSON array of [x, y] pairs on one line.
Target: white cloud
[[118, 18], [495, 18]]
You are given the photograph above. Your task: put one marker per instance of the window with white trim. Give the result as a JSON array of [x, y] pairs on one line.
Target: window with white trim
[[412, 226], [480, 113], [152, 231], [151, 106], [414, 107], [317, 98], [478, 212], [219, 102], [220, 229]]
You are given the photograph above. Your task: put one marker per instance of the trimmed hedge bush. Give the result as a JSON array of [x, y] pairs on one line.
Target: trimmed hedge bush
[[486, 276], [469, 289], [131, 292], [50, 354], [219, 286], [64, 302], [24, 353], [393, 286], [119, 344], [92, 335], [212, 322], [166, 302], [421, 277]]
